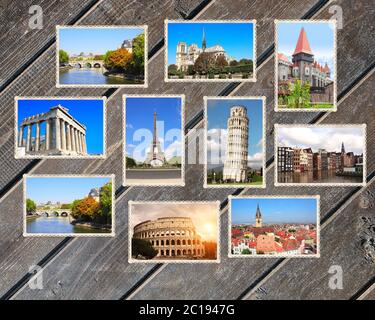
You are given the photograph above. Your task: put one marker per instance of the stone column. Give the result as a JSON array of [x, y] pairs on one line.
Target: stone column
[[68, 138], [84, 144], [28, 138], [63, 135], [48, 135], [78, 142], [37, 136], [57, 134], [20, 137], [73, 138]]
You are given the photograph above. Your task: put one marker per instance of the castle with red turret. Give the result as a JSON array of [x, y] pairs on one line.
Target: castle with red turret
[[303, 65]]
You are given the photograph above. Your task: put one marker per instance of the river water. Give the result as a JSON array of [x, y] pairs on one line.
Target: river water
[[325, 176], [56, 225], [82, 76]]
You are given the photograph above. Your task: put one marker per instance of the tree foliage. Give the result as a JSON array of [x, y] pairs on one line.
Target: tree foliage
[[221, 61], [203, 62], [105, 202], [63, 56], [85, 209], [30, 206], [299, 96], [143, 248], [130, 162], [118, 60], [138, 63]]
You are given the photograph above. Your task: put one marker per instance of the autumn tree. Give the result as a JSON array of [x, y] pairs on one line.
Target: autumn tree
[[85, 209], [30, 206], [118, 59]]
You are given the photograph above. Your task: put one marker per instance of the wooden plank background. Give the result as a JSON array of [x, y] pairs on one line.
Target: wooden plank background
[[78, 268]]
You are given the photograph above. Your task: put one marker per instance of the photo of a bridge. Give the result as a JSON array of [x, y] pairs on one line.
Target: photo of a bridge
[[101, 56], [68, 205]]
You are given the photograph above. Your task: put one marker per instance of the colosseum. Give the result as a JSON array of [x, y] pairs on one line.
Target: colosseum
[[171, 237]]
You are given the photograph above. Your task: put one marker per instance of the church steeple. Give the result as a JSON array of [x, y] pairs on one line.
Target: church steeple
[[342, 148], [258, 218], [204, 41]]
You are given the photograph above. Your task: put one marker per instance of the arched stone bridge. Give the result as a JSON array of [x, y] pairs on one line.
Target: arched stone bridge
[[54, 212], [86, 63]]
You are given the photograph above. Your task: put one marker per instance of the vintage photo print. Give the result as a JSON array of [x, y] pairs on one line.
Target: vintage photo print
[[101, 56], [305, 65], [274, 226], [69, 206], [234, 144], [320, 155], [174, 232], [154, 140], [55, 127], [210, 51]]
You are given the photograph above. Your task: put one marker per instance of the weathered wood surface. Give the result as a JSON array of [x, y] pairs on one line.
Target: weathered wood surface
[[98, 268]]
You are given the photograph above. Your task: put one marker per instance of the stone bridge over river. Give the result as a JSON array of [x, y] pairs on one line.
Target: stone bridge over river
[[86, 63], [54, 212]]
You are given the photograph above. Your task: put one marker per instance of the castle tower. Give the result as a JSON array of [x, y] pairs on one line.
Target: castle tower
[[235, 165], [303, 58], [258, 218], [155, 157], [203, 41]]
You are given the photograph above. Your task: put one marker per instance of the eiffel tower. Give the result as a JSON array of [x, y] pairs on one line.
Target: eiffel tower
[[155, 157]]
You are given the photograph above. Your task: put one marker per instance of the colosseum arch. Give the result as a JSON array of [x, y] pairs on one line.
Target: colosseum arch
[[171, 237]]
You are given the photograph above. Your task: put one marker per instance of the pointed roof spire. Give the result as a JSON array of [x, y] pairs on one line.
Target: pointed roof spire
[[302, 43], [258, 215], [342, 148], [203, 40]]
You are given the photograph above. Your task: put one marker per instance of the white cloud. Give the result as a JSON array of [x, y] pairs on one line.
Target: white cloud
[[325, 138], [174, 149]]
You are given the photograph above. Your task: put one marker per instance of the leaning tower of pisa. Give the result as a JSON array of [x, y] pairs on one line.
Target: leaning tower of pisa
[[235, 165]]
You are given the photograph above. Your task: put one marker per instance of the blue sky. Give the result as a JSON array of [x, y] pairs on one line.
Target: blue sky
[[95, 40], [140, 115], [273, 210], [319, 35], [235, 38], [64, 190], [218, 112], [87, 112]]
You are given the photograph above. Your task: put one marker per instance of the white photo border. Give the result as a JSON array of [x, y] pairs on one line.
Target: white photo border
[[144, 85], [183, 140], [205, 136], [323, 184], [73, 235], [254, 77], [328, 21], [275, 256], [88, 156], [171, 261]]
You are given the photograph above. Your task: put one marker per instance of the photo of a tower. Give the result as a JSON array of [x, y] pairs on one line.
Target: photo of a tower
[[208, 51], [154, 140], [274, 226], [305, 67], [234, 141]]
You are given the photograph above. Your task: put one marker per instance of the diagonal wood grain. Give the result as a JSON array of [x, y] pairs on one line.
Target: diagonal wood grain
[[157, 195]]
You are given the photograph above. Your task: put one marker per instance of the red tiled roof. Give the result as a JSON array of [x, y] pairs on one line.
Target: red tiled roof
[[326, 68], [283, 57], [302, 43]]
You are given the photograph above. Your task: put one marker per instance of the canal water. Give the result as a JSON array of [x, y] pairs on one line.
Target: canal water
[[56, 225], [89, 76], [326, 176]]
